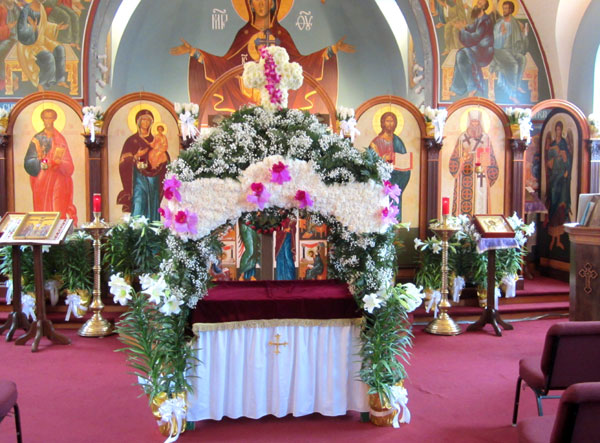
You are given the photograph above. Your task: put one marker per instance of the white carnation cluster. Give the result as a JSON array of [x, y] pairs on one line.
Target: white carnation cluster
[[290, 77], [355, 205]]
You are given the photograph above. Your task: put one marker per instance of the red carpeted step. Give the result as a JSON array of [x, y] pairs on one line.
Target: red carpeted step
[[541, 285]]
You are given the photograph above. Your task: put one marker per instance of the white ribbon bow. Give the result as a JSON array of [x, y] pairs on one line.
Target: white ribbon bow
[[510, 285], [438, 125], [525, 128], [89, 120], [173, 408], [497, 295], [9, 291], [457, 286], [52, 287], [399, 401], [73, 301], [349, 127], [436, 297], [188, 128], [28, 306]]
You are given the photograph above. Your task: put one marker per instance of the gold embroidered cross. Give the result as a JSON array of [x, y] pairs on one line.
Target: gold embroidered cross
[[277, 344], [589, 274]]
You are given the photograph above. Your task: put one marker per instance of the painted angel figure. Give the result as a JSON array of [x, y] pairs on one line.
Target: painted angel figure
[[559, 165]]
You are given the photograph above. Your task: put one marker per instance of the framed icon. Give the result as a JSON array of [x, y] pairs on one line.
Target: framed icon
[[493, 225], [36, 226], [10, 222]]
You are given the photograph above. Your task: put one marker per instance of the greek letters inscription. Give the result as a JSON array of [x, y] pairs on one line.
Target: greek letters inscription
[[219, 18], [304, 20]]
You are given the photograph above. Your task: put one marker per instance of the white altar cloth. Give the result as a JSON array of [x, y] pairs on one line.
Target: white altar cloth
[[240, 374]]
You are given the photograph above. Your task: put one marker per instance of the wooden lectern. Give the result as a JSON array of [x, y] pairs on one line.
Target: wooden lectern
[[496, 233], [35, 230]]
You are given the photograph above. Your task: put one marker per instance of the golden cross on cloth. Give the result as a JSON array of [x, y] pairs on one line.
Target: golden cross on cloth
[[276, 343]]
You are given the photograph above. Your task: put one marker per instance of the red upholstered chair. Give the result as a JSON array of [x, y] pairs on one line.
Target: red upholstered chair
[[571, 355], [577, 418], [8, 401]]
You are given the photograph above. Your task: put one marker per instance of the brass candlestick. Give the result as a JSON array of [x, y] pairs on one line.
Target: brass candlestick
[[443, 324], [96, 326]]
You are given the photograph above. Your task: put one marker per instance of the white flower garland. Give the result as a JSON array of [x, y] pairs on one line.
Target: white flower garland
[[217, 201]]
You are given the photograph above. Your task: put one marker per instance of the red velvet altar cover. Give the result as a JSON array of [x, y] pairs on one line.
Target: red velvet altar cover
[[266, 300]]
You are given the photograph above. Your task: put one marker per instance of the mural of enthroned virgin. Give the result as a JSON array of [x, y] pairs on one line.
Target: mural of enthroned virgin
[[261, 15], [142, 166]]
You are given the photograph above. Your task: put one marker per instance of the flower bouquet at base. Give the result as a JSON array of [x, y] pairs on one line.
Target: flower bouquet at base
[[157, 348], [429, 274], [386, 339]]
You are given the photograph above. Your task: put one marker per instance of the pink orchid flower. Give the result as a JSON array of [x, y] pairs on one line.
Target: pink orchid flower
[[389, 214], [186, 221], [304, 199], [170, 187], [392, 190], [167, 215], [280, 173], [260, 196]]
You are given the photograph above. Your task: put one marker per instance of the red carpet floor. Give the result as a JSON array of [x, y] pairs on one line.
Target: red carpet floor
[[461, 389]]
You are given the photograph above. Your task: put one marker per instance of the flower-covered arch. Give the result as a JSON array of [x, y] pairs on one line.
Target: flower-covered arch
[[283, 161], [286, 160]]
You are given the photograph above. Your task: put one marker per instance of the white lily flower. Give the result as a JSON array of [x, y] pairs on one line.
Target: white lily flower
[[120, 290], [529, 229], [418, 243], [413, 290], [436, 248], [371, 301], [171, 306], [154, 287], [412, 297], [139, 222]]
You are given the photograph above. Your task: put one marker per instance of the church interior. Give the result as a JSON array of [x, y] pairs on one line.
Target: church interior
[[299, 220]]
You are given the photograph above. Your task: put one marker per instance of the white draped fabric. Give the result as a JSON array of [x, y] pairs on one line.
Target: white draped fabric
[[239, 374]]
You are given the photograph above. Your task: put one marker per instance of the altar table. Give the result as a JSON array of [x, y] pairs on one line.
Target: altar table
[[268, 299], [250, 366]]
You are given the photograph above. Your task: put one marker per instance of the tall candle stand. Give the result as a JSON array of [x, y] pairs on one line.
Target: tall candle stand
[[443, 324], [97, 326]]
